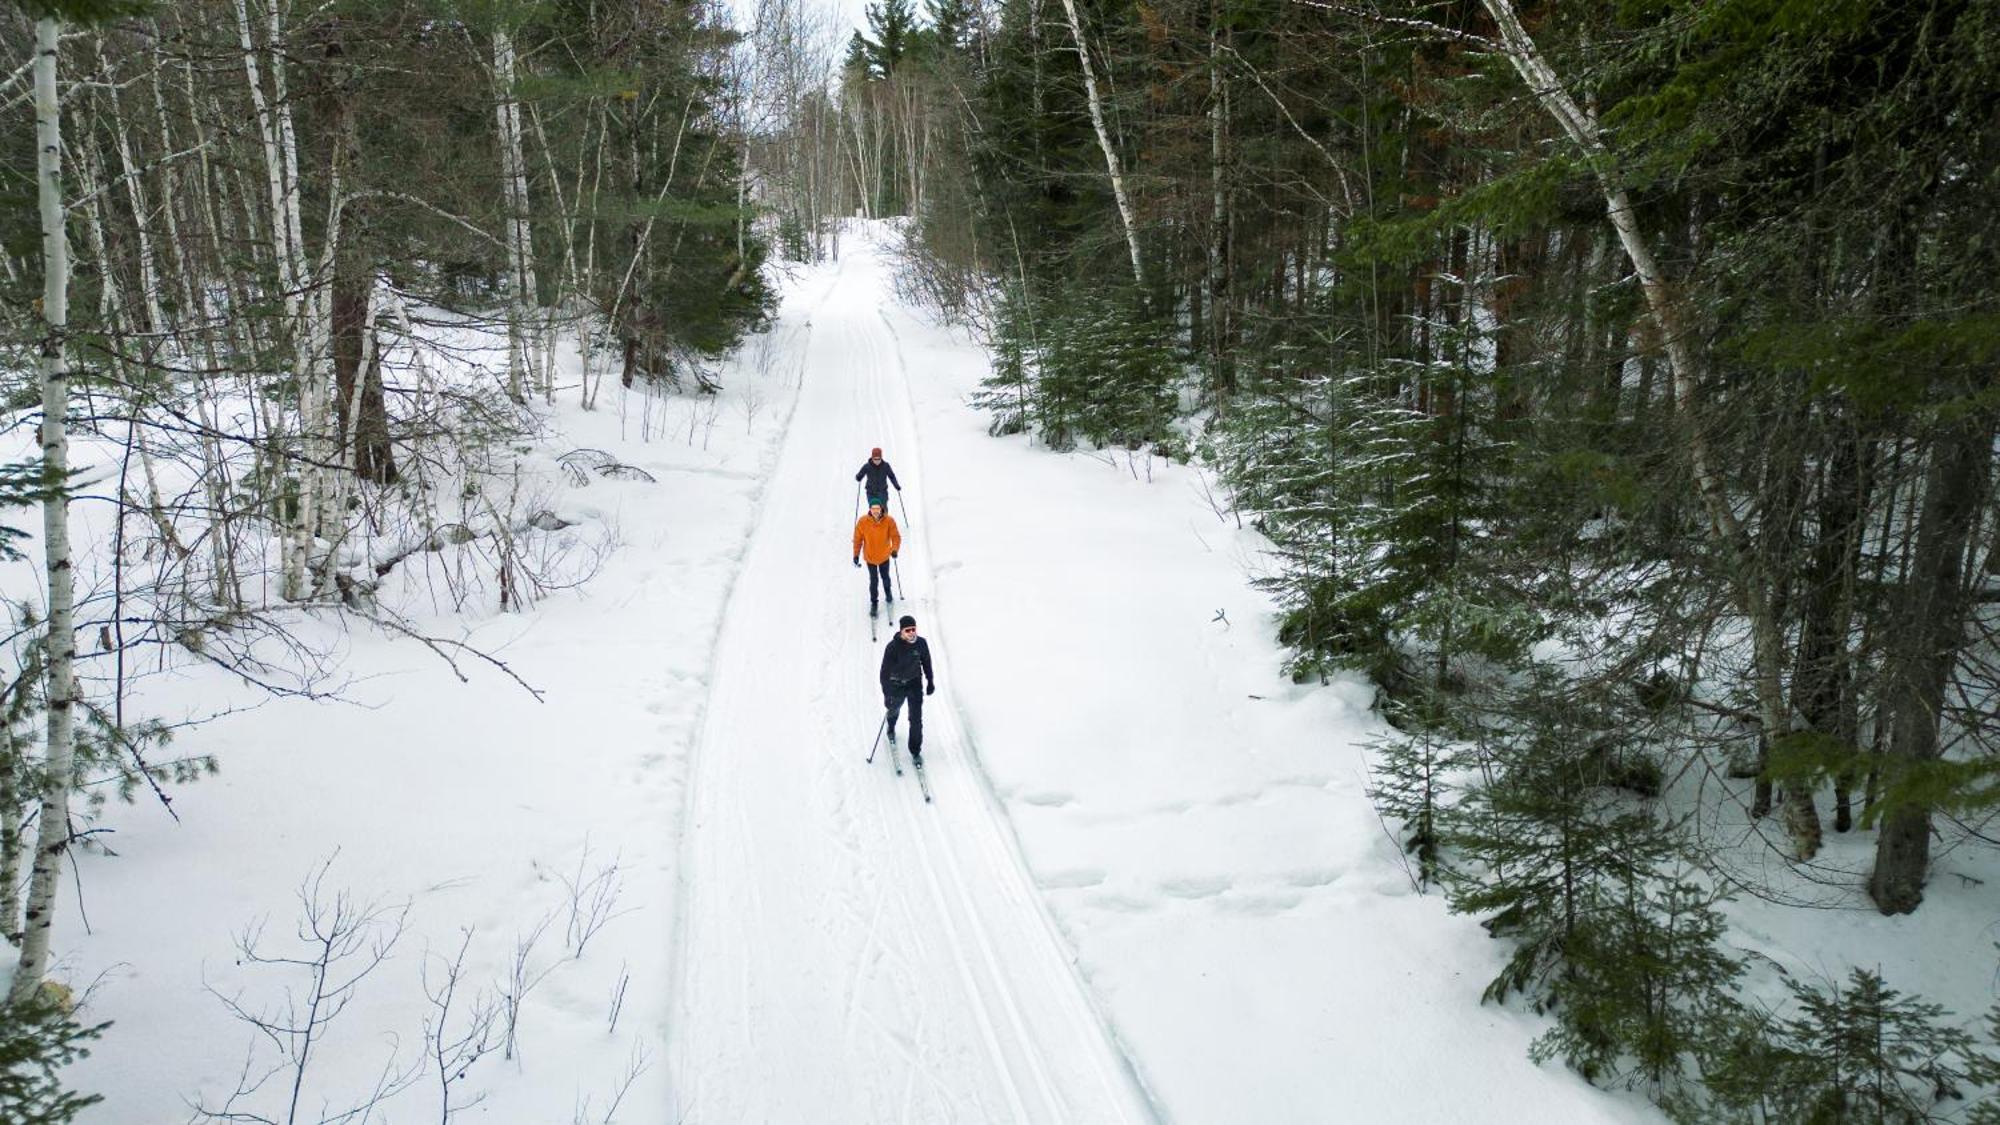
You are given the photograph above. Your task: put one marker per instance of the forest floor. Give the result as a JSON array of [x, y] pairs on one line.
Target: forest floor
[[1151, 886]]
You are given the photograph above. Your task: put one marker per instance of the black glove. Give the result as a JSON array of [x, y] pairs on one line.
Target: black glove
[[857, 560], [892, 554], [887, 702], [930, 688]]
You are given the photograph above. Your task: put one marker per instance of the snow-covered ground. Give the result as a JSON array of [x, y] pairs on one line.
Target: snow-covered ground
[[1151, 886]]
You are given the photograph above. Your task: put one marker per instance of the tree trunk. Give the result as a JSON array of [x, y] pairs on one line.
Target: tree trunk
[[1684, 368], [520, 243], [1221, 376], [1111, 163], [287, 238], [11, 797], [57, 773], [1925, 651], [195, 302], [1823, 685]]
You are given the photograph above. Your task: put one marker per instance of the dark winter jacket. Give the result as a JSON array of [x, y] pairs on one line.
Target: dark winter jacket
[[879, 478], [903, 660]]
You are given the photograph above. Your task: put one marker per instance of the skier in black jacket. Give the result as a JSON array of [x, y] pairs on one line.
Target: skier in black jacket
[[906, 665], [879, 476]]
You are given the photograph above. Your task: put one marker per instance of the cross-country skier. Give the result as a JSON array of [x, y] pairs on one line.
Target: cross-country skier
[[906, 666], [879, 477], [877, 539]]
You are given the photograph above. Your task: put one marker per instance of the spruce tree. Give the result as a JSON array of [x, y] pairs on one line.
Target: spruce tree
[[893, 34], [1411, 784], [1614, 931], [1856, 1052], [38, 1038]]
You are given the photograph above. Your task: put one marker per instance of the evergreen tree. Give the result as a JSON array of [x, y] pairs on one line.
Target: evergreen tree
[[952, 23], [1863, 1054], [893, 36], [1613, 930], [1088, 367], [38, 1038], [859, 61], [1006, 390], [1411, 784]]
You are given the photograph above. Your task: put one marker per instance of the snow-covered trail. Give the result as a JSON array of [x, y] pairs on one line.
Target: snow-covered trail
[[844, 951]]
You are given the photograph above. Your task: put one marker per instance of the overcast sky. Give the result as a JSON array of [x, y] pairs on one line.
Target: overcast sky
[[849, 15], [853, 13]]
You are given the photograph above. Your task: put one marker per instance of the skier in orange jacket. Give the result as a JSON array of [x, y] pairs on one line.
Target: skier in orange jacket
[[877, 539]]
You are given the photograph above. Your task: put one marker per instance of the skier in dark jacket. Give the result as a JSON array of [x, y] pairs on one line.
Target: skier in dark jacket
[[906, 666], [879, 477]]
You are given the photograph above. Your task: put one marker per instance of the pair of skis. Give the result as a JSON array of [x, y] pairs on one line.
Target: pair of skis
[[873, 636], [923, 783]]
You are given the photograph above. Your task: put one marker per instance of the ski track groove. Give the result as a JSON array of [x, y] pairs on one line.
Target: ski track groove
[[836, 960], [1120, 1081], [996, 979]]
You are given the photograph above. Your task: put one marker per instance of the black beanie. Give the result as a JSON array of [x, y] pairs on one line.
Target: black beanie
[[906, 622]]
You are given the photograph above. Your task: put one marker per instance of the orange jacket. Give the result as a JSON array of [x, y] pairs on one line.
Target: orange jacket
[[876, 539]]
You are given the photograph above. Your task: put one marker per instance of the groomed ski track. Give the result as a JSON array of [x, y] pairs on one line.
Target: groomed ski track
[[845, 952]]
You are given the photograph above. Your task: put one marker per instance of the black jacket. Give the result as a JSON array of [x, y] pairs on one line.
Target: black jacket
[[903, 660], [876, 475]]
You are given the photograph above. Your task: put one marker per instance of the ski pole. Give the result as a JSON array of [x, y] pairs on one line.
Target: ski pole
[[857, 499], [878, 738], [897, 565], [906, 509]]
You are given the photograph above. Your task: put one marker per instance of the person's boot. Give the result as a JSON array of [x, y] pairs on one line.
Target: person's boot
[[892, 736], [874, 609]]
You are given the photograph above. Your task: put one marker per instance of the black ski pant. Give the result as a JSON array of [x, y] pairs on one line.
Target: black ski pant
[[881, 569], [912, 692]]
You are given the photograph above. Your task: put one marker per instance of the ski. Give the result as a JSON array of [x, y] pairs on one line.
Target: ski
[[894, 759], [923, 783]]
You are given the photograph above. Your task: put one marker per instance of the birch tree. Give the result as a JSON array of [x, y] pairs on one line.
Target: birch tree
[[286, 230], [57, 771], [520, 242], [1112, 167], [1684, 367]]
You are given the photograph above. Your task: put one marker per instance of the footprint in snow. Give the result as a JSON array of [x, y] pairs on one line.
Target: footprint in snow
[[1195, 886]]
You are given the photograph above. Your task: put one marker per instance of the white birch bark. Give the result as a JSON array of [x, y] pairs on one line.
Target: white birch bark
[[195, 302], [1684, 371], [857, 117], [287, 254], [57, 768], [570, 280], [585, 337], [514, 189], [150, 288], [1112, 166]]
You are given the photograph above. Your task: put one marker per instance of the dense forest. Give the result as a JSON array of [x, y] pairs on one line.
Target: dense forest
[[1617, 386]]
